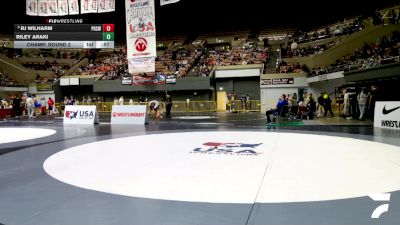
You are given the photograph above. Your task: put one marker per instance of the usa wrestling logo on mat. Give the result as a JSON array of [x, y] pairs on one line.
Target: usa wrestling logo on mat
[[217, 148]]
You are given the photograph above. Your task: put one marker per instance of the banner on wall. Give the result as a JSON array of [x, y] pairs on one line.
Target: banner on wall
[[102, 6], [32, 7], [68, 7], [62, 7], [276, 81], [53, 8], [73, 7], [142, 65], [170, 79], [148, 79], [387, 115], [111, 5], [93, 6], [43, 8], [85, 7], [166, 2], [140, 32], [106, 6], [126, 81]]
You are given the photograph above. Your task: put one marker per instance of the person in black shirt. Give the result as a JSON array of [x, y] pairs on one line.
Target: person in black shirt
[[17, 106], [321, 103], [327, 105], [375, 96], [168, 106], [311, 106]]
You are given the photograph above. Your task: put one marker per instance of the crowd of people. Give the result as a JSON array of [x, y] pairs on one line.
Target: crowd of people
[[46, 65], [58, 70], [357, 104], [284, 67], [202, 61], [339, 29], [383, 52], [303, 107], [239, 56], [333, 32], [7, 81], [110, 66], [360, 103], [115, 66], [178, 62], [29, 106], [312, 49], [47, 62]]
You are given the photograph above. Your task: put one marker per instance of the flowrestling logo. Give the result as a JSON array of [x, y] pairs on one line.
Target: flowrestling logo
[[220, 148]]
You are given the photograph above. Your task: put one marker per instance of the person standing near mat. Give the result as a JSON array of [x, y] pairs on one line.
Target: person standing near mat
[[50, 106], [362, 99], [327, 104], [17, 106], [30, 106], [320, 105], [168, 106]]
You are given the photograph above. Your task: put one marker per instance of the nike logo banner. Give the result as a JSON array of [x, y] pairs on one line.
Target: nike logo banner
[[387, 115], [387, 111]]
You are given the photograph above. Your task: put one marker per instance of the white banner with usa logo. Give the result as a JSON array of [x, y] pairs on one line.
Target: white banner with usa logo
[[387, 115], [79, 114], [140, 31]]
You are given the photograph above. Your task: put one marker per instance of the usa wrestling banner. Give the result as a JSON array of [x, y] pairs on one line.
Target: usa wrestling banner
[[140, 32]]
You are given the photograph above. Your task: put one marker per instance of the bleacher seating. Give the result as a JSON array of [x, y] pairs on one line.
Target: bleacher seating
[[386, 51]]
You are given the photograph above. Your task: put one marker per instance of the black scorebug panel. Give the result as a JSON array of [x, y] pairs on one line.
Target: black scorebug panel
[[64, 36]]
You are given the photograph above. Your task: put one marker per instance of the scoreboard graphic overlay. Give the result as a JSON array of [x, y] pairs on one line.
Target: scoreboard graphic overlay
[[89, 36]]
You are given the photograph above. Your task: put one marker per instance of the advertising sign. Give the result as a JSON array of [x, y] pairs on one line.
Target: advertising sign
[[79, 114], [277, 81], [140, 28], [129, 114], [387, 115]]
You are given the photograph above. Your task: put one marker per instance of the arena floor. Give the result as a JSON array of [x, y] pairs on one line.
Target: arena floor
[[209, 169]]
